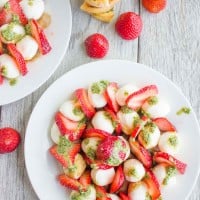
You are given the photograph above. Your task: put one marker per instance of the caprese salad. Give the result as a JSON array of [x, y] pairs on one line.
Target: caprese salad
[[21, 36], [115, 143]]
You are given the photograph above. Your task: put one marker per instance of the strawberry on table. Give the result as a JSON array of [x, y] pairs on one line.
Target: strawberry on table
[[154, 6], [92, 132], [123, 196], [129, 25], [1, 79], [164, 124], [85, 178], [101, 193]]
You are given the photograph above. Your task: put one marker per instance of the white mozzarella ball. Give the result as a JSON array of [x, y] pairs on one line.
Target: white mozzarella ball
[[8, 67], [114, 197], [169, 142], [103, 177], [28, 47], [124, 92], [102, 122], [137, 191], [55, 133], [69, 110], [149, 135], [156, 107], [2, 3], [33, 9], [133, 170], [160, 173]]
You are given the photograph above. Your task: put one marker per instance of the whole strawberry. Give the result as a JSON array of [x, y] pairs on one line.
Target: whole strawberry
[[9, 140], [129, 25], [96, 45], [154, 6]]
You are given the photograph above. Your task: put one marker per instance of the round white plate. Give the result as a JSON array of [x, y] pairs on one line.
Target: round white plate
[[43, 169], [43, 67]]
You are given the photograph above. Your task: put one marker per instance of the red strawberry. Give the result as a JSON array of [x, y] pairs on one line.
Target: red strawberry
[[69, 182], [164, 124], [96, 45], [140, 152], [5, 17], [161, 157], [9, 140], [1, 47], [154, 6], [76, 147], [123, 196], [92, 132], [88, 109], [152, 184], [129, 25], [101, 193], [136, 99], [110, 96], [85, 178], [40, 37], [100, 165], [1, 79], [118, 180], [21, 64], [72, 129]]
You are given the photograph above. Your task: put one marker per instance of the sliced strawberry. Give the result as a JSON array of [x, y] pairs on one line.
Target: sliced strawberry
[[85, 178], [1, 47], [161, 157], [136, 99], [110, 96], [164, 124], [140, 152], [1, 79], [88, 109], [118, 180], [70, 183], [21, 64], [39, 35], [92, 132], [152, 184], [123, 196], [101, 193], [5, 17], [72, 129], [76, 147]]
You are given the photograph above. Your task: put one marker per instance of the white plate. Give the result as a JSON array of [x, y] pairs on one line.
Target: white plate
[[43, 67], [43, 169]]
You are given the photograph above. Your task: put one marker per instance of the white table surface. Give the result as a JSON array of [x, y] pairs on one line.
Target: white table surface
[[169, 43]]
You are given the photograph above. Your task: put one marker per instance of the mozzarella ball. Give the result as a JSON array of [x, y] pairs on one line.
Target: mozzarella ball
[[156, 107], [12, 32], [89, 146], [71, 111], [8, 67], [137, 191], [103, 122], [169, 142], [55, 133], [33, 9], [124, 92], [114, 197], [103, 177], [96, 94], [2, 3], [128, 119], [28, 47], [149, 135], [133, 170]]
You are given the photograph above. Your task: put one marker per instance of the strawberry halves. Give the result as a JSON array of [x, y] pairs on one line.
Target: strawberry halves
[[164, 124]]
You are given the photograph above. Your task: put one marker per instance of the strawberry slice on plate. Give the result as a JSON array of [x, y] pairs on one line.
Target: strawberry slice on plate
[[152, 185], [110, 96], [1, 46], [140, 152], [123, 196], [21, 64], [1, 79], [85, 178], [82, 97], [75, 149], [164, 124], [136, 99], [101, 193], [92, 132], [162, 157], [39, 35], [5, 17], [118, 180]]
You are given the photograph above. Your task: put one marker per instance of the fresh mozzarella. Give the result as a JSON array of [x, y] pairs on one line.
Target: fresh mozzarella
[[156, 107], [149, 135], [124, 92], [114, 197], [101, 121], [55, 133], [137, 191], [103, 177], [128, 119], [133, 170], [69, 110], [28, 47], [8, 67], [160, 173], [2, 3], [33, 9], [169, 142]]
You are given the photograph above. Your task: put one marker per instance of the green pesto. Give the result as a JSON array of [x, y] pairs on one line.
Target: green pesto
[[126, 93], [81, 195], [143, 112], [30, 2], [132, 172], [64, 145], [183, 110], [95, 88], [13, 81], [86, 141], [72, 168], [28, 29], [153, 100], [148, 197], [171, 171], [147, 131], [77, 111], [91, 153], [126, 110], [173, 141], [4, 71], [104, 84], [15, 19], [113, 161], [7, 6], [136, 120]]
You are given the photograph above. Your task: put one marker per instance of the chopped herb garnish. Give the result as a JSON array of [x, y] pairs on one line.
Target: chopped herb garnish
[[171, 171], [13, 81], [77, 111], [7, 6], [72, 168], [15, 18], [183, 110], [28, 29], [4, 71], [126, 109], [91, 153], [173, 141], [63, 145], [132, 172], [153, 100], [95, 88], [126, 93]]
